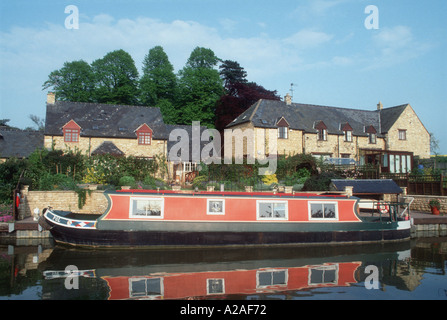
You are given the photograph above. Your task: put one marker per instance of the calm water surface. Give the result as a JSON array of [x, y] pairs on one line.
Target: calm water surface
[[408, 270]]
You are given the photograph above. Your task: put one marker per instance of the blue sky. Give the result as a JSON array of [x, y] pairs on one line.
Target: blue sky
[[322, 47]]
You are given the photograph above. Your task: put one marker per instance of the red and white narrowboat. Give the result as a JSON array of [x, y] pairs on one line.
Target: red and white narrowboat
[[145, 218]]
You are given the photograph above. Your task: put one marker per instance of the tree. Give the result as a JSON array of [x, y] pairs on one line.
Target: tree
[[239, 98], [200, 86], [73, 82], [116, 78], [158, 80], [232, 73], [158, 84], [40, 123]]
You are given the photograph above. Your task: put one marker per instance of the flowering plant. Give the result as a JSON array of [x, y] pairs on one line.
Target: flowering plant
[[434, 203], [5, 213]]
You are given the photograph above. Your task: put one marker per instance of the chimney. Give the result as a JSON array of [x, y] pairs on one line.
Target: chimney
[[288, 99], [51, 98], [379, 106]]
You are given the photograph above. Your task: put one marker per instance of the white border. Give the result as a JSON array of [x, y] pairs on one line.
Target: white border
[[208, 286], [132, 216], [215, 213], [309, 203], [271, 271], [286, 218]]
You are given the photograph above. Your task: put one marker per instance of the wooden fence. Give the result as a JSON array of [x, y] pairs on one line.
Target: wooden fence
[[430, 185]]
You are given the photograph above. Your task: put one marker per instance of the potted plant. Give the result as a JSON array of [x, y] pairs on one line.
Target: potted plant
[[434, 205]]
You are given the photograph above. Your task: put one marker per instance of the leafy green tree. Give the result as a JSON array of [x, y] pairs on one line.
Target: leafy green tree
[[116, 78], [158, 81], [75, 81], [232, 73], [200, 87]]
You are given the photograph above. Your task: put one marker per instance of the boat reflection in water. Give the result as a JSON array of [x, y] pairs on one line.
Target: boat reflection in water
[[215, 273]]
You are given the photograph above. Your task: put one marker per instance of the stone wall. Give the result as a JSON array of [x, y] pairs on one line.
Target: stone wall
[[87, 145], [420, 203], [96, 202]]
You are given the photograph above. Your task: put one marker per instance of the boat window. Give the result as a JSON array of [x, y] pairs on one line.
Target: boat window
[[146, 287], [146, 208], [215, 286], [271, 278], [267, 209], [323, 274], [323, 210], [215, 206]]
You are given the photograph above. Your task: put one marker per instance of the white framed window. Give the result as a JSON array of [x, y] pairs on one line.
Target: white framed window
[[402, 134], [319, 210], [348, 135], [283, 132], [372, 138], [215, 286], [215, 206], [146, 287], [325, 274], [146, 208], [322, 134], [267, 278], [189, 166], [271, 210]]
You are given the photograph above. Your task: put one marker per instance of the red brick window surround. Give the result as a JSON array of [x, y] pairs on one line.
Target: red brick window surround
[[144, 138], [144, 134], [71, 132], [71, 135]]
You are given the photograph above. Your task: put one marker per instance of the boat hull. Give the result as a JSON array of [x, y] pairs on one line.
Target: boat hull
[[159, 238]]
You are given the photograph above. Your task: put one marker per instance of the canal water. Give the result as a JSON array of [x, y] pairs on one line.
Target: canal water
[[409, 270]]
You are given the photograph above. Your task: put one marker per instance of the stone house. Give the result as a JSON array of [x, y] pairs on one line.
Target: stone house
[[120, 130], [388, 137]]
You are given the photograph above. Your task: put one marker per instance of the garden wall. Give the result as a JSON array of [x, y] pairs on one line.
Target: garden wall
[[420, 203], [96, 202]]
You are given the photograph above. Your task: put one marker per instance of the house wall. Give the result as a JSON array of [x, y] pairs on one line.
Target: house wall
[[417, 136], [87, 145], [300, 142]]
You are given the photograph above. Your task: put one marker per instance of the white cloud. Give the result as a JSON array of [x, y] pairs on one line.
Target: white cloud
[[395, 45], [308, 39]]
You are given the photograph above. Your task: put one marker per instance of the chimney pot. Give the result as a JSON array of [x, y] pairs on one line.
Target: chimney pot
[[51, 98], [379, 106]]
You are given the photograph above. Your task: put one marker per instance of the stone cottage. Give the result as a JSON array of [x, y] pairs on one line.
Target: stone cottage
[[389, 137]]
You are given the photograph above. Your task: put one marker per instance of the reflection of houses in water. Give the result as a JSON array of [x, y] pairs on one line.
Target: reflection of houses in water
[[216, 283]]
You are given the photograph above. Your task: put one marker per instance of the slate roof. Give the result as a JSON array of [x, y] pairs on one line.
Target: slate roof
[[19, 144], [368, 186], [266, 113], [104, 120]]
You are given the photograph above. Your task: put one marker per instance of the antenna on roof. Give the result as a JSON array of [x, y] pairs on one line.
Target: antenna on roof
[[291, 89]]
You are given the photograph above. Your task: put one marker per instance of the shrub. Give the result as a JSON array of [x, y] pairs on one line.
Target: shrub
[[127, 181], [319, 182]]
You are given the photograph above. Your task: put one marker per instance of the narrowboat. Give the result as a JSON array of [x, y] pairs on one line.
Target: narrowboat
[[161, 218]]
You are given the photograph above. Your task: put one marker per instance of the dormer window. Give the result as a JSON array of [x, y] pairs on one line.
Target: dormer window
[[71, 132], [347, 132], [322, 131], [283, 128], [144, 134], [372, 134]]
